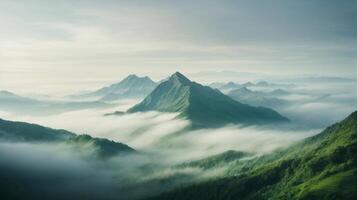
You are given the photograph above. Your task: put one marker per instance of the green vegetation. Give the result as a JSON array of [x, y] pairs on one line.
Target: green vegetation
[[219, 160], [204, 106], [95, 147], [320, 167], [26, 132], [98, 147]]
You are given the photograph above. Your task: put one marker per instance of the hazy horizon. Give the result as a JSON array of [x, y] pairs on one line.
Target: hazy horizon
[[90, 43]]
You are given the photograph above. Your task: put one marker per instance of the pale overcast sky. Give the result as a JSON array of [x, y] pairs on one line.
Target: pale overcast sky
[[47, 42]]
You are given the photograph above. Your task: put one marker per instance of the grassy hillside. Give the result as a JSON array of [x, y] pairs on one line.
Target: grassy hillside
[[320, 167]]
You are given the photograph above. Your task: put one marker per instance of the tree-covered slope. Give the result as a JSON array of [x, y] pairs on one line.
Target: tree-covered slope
[[320, 167], [31, 133], [204, 106], [26, 132], [98, 147], [219, 160]]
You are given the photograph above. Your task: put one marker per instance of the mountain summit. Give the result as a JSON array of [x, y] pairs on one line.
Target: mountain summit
[[177, 76], [204, 106]]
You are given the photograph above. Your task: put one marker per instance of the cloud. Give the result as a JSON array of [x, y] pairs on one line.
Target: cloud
[[94, 40], [163, 142], [166, 135]]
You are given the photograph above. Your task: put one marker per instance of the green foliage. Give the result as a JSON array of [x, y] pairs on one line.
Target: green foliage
[[25, 132], [98, 147], [94, 147], [218, 160], [320, 167]]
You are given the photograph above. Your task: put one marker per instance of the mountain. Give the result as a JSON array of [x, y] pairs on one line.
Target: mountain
[[11, 131], [230, 86], [98, 147], [204, 106], [130, 87], [265, 84], [279, 92], [320, 167], [257, 98], [9, 99], [14, 103], [219, 160], [225, 87], [216, 85], [248, 84], [26, 132]]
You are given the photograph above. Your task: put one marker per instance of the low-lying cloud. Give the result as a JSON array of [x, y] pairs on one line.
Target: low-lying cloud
[[163, 141]]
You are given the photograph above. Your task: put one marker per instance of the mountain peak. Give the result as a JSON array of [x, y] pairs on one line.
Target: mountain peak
[[131, 76], [203, 106], [177, 76]]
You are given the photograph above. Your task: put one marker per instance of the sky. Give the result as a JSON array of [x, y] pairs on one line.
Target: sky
[[47, 44]]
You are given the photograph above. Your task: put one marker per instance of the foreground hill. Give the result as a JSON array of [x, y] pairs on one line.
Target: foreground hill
[[130, 87], [320, 167], [26, 132], [11, 131], [204, 106]]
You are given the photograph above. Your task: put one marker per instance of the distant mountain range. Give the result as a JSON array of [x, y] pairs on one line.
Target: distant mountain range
[[11, 131], [257, 98], [204, 106], [130, 87], [320, 167], [227, 87], [265, 84], [11, 102]]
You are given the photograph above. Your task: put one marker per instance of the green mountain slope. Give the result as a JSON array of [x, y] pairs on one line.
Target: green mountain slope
[[319, 167], [98, 147], [219, 160], [24, 132], [204, 106]]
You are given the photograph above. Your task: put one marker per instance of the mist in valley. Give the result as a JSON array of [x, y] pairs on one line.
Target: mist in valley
[[163, 142]]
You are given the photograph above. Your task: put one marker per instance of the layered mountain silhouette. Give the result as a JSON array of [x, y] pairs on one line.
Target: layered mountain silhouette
[[320, 167], [15, 103], [130, 87], [204, 106], [225, 87], [257, 98]]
